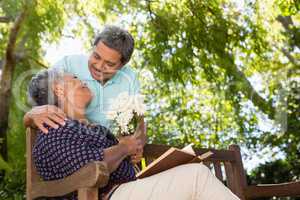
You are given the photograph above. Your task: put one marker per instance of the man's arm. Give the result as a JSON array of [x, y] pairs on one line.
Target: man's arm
[[27, 121], [47, 114]]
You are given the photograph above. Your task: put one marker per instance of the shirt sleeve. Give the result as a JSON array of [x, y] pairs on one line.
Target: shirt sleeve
[[135, 86], [124, 173], [66, 150]]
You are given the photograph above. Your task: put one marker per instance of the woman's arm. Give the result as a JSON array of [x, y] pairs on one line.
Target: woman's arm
[[114, 155], [141, 130]]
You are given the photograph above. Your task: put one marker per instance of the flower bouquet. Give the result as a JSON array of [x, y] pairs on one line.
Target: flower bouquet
[[125, 113]]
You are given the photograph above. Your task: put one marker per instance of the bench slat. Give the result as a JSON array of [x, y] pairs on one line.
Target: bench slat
[[229, 176], [291, 189], [218, 170], [155, 150]]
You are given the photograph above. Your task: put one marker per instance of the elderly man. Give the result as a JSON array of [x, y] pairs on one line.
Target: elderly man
[[105, 73]]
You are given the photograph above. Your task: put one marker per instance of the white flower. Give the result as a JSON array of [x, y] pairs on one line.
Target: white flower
[[139, 106], [124, 118], [111, 115], [124, 102], [123, 108]]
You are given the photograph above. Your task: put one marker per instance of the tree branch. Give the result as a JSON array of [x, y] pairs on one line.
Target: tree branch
[[38, 62], [248, 90], [287, 23], [151, 13], [5, 19], [291, 58], [243, 85]]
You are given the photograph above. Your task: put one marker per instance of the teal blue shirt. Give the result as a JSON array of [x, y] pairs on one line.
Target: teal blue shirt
[[125, 80]]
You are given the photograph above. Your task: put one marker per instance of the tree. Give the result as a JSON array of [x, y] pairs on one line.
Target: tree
[[43, 22], [213, 71], [9, 63], [25, 26]]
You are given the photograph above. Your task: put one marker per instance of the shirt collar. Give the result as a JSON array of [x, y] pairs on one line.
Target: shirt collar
[[116, 78]]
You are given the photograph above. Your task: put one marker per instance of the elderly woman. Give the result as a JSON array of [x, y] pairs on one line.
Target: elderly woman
[[63, 151]]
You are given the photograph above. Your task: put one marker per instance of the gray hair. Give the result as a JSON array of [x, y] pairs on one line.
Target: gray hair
[[40, 87], [117, 39]]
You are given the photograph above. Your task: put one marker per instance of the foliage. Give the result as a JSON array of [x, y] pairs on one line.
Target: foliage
[[199, 57], [45, 23], [278, 171], [12, 187], [214, 71]]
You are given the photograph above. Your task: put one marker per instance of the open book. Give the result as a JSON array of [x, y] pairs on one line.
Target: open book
[[172, 158]]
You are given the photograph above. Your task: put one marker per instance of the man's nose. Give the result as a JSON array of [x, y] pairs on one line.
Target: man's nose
[[99, 65]]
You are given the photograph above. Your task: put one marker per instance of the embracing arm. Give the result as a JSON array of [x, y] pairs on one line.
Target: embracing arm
[[28, 121], [46, 114]]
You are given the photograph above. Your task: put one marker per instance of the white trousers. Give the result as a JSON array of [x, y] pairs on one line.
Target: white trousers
[[185, 182]]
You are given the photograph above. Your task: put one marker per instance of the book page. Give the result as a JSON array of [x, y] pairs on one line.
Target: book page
[[189, 149], [171, 158]]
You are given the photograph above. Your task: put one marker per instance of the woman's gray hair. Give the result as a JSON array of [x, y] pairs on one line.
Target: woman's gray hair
[[117, 39], [40, 87]]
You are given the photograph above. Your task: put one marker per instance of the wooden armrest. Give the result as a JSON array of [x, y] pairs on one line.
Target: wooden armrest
[[94, 174], [291, 189]]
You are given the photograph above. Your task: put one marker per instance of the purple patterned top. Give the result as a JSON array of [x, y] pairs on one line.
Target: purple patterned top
[[63, 151]]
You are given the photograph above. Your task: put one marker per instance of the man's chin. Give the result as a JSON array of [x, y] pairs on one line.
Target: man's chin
[[97, 78]]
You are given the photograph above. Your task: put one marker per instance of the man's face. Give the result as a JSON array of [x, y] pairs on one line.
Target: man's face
[[104, 62]]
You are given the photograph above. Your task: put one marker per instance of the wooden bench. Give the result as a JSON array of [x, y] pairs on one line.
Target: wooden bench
[[226, 164]]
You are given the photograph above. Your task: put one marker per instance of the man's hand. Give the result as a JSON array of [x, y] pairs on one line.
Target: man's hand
[[47, 114]]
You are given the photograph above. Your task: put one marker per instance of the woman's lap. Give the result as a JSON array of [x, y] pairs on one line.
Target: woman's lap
[[185, 182]]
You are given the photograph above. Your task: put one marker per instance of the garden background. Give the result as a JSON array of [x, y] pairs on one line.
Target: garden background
[[214, 72]]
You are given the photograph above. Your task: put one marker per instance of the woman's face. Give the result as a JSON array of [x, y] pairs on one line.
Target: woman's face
[[75, 92]]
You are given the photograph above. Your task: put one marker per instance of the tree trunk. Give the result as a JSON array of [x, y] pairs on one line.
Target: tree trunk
[[6, 80]]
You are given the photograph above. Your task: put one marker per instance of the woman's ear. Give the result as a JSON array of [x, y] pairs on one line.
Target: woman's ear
[[58, 90]]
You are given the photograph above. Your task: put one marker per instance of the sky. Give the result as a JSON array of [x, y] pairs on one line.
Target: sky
[[66, 46]]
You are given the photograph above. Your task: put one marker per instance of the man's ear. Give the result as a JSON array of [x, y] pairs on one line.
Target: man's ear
[[121, 65], [58, 90]]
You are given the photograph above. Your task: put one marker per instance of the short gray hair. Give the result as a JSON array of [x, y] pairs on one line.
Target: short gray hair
[[117, 39], [40, 87]]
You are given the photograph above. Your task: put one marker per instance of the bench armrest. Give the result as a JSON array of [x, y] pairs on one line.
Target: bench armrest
[[291, 189], [94, 174]]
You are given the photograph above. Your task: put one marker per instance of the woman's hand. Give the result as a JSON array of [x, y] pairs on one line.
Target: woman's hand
[[47, 114], [132, 144], [136, 158]]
